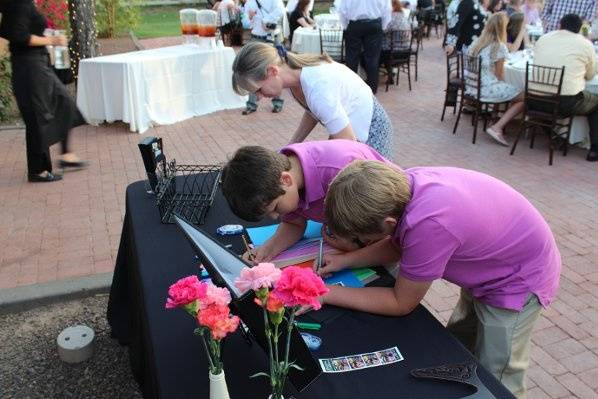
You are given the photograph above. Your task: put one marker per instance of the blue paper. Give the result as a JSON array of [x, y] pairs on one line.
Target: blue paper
[[346, 278], [259, 235]]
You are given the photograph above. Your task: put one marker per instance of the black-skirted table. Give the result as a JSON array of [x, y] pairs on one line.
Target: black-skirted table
[[168, 360]]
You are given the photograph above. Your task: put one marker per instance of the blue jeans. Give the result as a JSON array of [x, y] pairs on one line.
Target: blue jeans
[[251, 103]]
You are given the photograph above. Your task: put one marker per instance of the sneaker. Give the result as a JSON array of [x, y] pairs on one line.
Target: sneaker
[[497, 136], [248, 110]]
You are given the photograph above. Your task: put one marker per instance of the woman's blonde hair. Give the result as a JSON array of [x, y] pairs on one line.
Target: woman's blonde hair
[[251, 64], [494, 33], [362, 195]]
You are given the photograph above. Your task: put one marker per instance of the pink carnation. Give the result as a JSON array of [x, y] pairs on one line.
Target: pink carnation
[[185, 291], [254, 278], [300, 286], [217, 319], [219, 296]]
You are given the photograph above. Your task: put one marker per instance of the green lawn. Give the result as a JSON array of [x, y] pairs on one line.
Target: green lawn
[[164, 21], [159, 22]]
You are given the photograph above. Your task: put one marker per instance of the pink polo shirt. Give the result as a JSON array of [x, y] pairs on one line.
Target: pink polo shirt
[[321, 161], [479, 233]]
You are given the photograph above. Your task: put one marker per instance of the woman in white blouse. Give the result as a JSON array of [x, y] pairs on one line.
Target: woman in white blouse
[[329, 92]]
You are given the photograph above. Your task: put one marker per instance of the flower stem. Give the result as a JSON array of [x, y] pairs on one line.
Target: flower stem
[[276, 343], [288, 345], [270, 353], [205, 345]]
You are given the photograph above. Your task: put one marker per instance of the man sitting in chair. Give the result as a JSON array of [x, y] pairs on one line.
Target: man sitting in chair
[[566, 47]]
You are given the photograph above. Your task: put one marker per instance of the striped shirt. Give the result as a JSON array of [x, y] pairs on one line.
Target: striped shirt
[[554, 10]]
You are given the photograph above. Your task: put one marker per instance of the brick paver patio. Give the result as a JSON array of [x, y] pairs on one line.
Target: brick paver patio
[[72, 228]]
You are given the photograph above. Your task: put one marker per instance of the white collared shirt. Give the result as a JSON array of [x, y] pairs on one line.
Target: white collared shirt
[[354, 10], [271, 11], [292, 4]]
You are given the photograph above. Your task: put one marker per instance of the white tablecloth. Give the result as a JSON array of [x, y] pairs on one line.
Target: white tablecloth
[[157, 87], [328, 21], [307, 40], [515, 75]]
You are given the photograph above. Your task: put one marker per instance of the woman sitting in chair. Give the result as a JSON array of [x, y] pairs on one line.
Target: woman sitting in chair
[[491, 47], [300, 17], [516, 32], [330, 93], [398, 22]]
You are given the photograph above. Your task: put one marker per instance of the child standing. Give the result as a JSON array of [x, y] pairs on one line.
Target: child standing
[[292, 184], [463, 226]]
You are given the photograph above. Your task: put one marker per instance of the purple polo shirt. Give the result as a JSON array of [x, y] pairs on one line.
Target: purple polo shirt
[[321, 161], [479, 233]]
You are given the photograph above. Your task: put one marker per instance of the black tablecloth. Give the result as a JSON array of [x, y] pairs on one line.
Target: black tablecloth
[[168, 360]]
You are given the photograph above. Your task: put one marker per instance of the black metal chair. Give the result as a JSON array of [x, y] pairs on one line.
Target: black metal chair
[[417, 29], [432, 19], [417, 35], [332, 42], [398, 55], [543, 86], [471, 69], [454, 82]]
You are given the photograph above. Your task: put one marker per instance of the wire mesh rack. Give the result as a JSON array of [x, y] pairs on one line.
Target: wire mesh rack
[[187, 191]]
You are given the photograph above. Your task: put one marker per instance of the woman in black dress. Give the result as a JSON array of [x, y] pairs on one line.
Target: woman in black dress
[[300, 17], [47, 110]]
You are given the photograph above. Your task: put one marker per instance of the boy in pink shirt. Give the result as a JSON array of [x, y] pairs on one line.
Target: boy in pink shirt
[[463, 226], [292, 185]]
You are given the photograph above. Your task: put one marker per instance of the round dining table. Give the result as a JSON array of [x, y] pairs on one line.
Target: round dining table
[[515, 75]]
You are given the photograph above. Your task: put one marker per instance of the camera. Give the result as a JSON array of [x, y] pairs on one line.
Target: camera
[[270, 26]]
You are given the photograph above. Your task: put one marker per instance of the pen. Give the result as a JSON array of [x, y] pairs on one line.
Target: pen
[[251, 256], [308, 326], [319, 264]]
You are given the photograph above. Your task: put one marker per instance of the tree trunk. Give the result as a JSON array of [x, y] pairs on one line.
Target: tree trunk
[[83, 43]]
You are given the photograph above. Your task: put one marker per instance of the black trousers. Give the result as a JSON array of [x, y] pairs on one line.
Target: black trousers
[[583, 103], [364, 36], [46, 108]]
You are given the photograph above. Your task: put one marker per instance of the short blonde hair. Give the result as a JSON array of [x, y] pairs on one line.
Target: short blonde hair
[[362, 195], [252, 62]]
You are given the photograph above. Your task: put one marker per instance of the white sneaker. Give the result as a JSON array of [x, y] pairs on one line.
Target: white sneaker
[[497, 136]]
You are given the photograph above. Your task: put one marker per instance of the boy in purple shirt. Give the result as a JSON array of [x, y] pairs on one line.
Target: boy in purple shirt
[[466, 227], [292, 184]]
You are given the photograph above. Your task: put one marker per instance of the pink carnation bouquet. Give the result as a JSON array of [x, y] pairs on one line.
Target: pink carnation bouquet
[[207, 304], [276, 290]]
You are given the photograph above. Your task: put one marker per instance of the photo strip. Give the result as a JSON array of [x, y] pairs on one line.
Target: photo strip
[[361, 361]]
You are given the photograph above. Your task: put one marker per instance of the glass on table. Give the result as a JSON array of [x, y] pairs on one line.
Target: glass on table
[[188, 17], [206, 23]]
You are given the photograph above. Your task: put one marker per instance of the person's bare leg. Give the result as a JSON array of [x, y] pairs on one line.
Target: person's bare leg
[[511, 113]]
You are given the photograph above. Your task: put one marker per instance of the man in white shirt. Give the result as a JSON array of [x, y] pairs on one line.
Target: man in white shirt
[[364, 23], [566, 47], [266, 17]]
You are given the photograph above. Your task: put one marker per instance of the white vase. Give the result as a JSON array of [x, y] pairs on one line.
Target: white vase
[[218, 388]]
